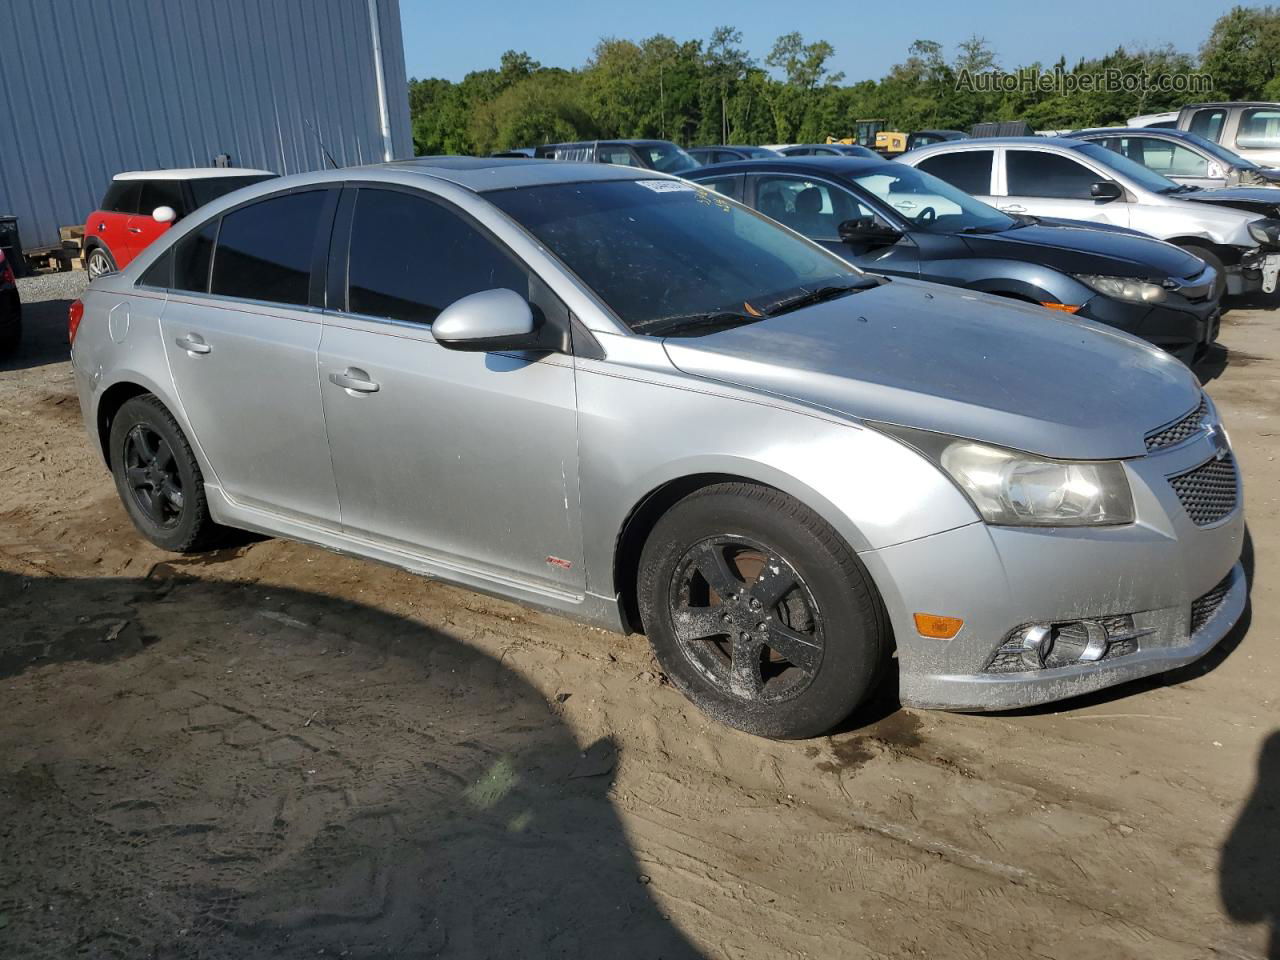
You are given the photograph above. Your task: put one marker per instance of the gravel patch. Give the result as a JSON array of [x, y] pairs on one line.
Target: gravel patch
[[53, 286]]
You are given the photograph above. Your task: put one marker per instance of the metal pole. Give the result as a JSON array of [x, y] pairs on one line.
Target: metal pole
[[384, 115]]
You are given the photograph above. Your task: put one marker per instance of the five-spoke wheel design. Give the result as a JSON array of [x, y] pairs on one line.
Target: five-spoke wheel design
[[745, 619], [153, 476], [98, 264]]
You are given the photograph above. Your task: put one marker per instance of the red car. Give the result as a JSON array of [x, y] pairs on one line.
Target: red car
[[142, 204], [10, 308]]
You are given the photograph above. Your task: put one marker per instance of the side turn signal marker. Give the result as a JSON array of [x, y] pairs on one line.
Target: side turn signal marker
[[937, 627], [1065, 307]]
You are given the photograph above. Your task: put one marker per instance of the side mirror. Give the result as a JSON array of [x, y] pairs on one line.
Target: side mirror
[[868, 230], [1214, 171], [485, 321], [164, 214], [1106, 190]]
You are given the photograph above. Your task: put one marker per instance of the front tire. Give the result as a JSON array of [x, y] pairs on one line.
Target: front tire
[[1213, 260], [158, 478], [759, 612]]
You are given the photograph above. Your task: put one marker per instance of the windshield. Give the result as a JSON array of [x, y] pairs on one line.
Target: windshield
[[665, 157], [666, 256], [1219, 151], [1135, 171], [930, 204]]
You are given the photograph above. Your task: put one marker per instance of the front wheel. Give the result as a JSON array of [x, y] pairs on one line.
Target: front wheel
[[1213, 260], [759, 612]]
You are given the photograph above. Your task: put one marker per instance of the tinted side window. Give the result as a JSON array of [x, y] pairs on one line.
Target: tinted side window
[[1035, 174], [265, 249], [813, 209], [730, 186], [1208, 123], [191, 258], [206, 189], [122, 196], [967, 170], [616, 155], [412, 257], [161, 193], [160, 273], [1259, 129], [1164, 157]]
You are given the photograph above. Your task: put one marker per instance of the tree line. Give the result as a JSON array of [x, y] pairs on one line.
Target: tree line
[[714, 91]]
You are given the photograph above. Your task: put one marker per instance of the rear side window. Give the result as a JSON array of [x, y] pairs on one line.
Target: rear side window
[[1208, 123], [730, 186], [265, 250], [122, 196], [620, 156], [191, 258], [1035, 174], [159, 274], [412, 257], [967, 170], [207, 189], [161, 193], [1259, 129]]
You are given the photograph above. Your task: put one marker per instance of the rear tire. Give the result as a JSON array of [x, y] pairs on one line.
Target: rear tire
[[759, 612], [158, 478], [98, 263], [1213, 260]]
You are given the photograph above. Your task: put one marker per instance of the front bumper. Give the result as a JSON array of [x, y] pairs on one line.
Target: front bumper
[[1183, 327], [999, 578]]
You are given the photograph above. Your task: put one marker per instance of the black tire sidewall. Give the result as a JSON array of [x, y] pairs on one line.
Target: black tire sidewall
[[182, 535], [1213, 260], [853, 626]]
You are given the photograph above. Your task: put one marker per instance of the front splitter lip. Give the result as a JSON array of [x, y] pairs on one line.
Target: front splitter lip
[[981, 693]]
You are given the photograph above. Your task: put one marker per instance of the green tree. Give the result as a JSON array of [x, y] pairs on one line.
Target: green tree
[[1242, 53]]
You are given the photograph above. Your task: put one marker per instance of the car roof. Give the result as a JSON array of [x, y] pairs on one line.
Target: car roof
[[592, 143], [830, 165], [192, 173], [1232, 103], [979, 143], [502, 173], [1129, 132]]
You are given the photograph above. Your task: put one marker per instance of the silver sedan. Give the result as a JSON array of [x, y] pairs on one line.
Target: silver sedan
[[616, 395]]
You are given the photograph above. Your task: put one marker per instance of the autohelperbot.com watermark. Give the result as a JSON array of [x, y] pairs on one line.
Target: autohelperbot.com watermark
[[1062, 82]]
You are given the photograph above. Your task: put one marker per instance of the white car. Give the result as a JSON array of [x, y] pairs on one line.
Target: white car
[[1077, 180]]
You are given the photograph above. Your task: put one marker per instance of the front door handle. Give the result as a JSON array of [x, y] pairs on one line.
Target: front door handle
[[193, 343], [135, 229], [354, 380], [1014, 208]]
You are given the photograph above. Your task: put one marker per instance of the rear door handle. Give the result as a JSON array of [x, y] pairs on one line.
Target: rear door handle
[[1014, 208], [193, 343], [354, 380]]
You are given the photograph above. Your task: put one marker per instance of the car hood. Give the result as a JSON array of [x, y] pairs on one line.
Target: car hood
[[1264, 201], [1079, 248], [971, 365]]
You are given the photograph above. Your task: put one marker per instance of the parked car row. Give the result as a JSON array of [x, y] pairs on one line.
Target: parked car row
[[629, 398]]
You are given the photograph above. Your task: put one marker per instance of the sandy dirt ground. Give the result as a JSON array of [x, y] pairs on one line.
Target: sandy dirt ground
[[272, 750]]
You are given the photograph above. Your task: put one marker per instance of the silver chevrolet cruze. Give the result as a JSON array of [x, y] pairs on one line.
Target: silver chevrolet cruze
[[616, 395]]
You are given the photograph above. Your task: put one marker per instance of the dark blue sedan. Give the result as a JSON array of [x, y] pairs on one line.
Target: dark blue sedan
[[889, 218]]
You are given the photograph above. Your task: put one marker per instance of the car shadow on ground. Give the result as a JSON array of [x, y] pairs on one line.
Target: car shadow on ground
[[44, 336], [1251, 855], [198, 768]]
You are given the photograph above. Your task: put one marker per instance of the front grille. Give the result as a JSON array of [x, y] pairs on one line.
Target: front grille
[[1179, 430], [1208, 605], [1208, 493]]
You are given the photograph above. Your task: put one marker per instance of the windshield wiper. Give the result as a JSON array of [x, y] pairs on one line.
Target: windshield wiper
[[716, 320], [828, 292], [988, 229]]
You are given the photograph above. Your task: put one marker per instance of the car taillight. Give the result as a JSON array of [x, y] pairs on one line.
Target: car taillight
[[7, 279], [74, 316]]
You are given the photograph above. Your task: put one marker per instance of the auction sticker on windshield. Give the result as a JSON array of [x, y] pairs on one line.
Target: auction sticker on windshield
[[667, 186]]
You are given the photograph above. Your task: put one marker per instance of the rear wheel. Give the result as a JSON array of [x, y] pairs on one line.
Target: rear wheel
[[1213, 260], [158, 478], [98, 263], [759, 612]]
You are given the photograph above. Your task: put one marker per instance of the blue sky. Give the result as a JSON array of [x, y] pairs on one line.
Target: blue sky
[[451, 39]]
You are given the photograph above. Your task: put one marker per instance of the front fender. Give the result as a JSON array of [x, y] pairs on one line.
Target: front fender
[[637, 435]]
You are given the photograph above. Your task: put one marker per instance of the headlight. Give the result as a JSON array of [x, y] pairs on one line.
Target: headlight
[[1010, 488], [1120, 288], [1266, 232]]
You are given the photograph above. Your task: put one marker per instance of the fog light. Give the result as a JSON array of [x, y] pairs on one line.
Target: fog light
[[1040, 646]]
